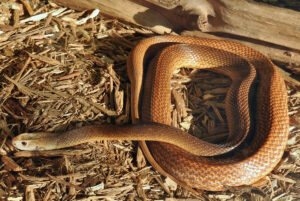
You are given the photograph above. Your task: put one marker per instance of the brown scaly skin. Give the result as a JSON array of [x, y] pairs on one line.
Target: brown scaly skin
[[178, 158]]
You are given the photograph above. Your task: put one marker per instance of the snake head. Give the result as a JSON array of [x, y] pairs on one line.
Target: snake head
[[35, 141]]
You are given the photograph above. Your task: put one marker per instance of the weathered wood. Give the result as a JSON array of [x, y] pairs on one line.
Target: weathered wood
[[243, 18], [126, 10], [271, 30]]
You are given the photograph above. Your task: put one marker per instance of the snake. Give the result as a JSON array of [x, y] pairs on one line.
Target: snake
[[255, 106]]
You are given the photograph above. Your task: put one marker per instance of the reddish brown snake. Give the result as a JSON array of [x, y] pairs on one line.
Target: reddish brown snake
[[184, 165]]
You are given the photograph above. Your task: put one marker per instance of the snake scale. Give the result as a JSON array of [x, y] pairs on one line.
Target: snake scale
[[191, 162]]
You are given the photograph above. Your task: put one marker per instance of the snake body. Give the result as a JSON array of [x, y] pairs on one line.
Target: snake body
[[188, 161]]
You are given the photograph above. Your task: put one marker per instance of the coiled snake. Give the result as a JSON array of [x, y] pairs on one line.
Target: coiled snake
[[187, 160]]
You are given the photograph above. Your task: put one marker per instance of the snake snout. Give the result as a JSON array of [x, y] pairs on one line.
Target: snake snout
[[26, 145], [27, 142], [21, 144], [35, 141]]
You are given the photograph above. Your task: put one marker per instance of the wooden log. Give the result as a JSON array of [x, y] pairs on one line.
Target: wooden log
[[265, 28], [238, 17], [126, 10], [244, 18]]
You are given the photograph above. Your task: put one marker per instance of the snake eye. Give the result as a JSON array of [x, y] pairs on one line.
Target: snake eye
[[24, 143]]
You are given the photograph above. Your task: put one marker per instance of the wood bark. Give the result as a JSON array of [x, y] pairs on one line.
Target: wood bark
[[244, 18], [267, 27]]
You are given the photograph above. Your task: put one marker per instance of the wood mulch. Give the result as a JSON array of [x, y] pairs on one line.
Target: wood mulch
[[61, 69]]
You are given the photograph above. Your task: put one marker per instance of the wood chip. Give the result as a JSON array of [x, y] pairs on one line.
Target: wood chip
[[10, 164]]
